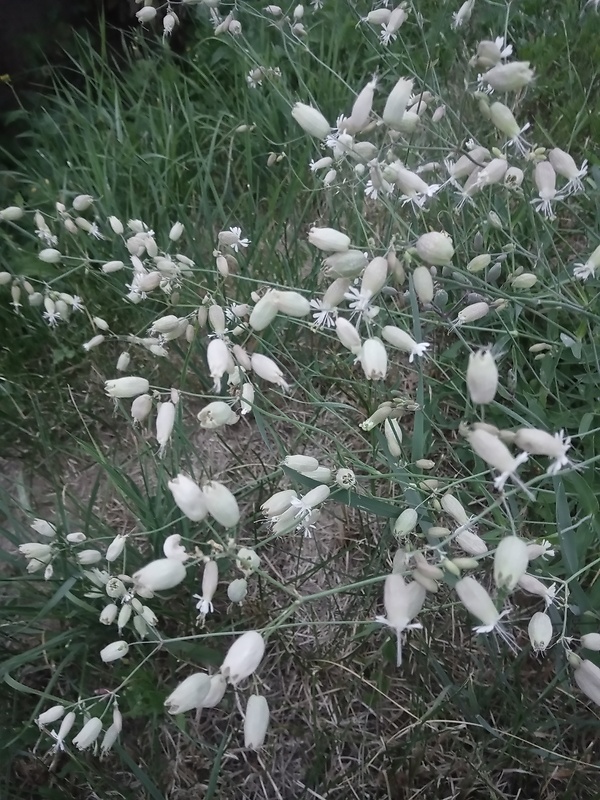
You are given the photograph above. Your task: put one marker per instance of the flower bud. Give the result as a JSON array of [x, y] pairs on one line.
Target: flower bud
[[219, 361], [141, 408], [165, 420], [423, 283], [114, 651], [243, 657], [11, 213], [189, 694], [87, 557], [311, 120], [482, 377], [292, 303], [221, 504], [237, 590], [264, 312], [159, 575], [116, 547], [435, 248], [395, 106], [51, 715], [88, 734], [510, 562], [587, 677], [299, 463], [109, 614], [217, 414], [176, 232], [256, 722], [49, 255], [374, 276], [472, 313], [471, 542], [112, 266], [406, 522], [345, 264], [146, 14], [393, 437], [403, 341], [188, 497], [348, 335], [126, 387], [540, 631], [526, 280], [329, 240]]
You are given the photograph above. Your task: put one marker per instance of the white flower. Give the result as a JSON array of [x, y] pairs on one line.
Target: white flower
[[305, 504], [65, 727], [323, 316], [587, 269], [541, 443], [565, 165], [545, 181], [402, 602], [497, 455], [503, 119], [268, 370], [233, 238], [543, 549], [532, 585], [210, 580], [478, 602], [403, 341]]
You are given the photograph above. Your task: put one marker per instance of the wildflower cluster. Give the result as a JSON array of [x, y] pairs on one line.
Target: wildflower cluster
[[404, 283]]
